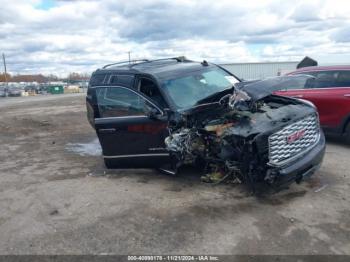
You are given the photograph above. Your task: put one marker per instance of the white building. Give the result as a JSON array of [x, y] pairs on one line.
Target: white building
[[251, 71]]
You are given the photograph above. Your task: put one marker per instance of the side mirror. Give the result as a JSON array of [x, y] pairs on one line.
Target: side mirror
[[152, 112]]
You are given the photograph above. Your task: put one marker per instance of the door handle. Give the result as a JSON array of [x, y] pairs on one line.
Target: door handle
[[298, 96], [107, 130]]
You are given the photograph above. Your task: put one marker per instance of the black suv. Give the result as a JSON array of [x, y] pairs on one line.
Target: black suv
[[170, 112]]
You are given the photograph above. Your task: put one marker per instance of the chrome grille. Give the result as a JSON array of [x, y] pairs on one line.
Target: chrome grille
[[293, 140]]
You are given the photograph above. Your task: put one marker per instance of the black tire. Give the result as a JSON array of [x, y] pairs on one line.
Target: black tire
[[347, 134], [109, 163]]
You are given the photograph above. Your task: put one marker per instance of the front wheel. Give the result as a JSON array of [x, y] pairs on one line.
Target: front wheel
[[109, 163]]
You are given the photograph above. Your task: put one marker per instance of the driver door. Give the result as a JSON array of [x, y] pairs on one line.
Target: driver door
[[128, 137]]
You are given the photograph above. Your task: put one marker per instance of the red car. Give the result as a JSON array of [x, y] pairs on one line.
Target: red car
[[329, 90]]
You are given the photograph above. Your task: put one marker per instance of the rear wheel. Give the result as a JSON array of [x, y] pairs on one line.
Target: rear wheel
[[347, 134]]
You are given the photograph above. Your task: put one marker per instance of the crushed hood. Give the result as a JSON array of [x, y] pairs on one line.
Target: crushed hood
[[243, 95], [257, 90]]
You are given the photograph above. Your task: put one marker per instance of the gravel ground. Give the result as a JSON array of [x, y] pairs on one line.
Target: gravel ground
[[56, 197]]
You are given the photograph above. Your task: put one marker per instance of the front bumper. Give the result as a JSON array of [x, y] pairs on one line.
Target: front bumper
[[303, 167]]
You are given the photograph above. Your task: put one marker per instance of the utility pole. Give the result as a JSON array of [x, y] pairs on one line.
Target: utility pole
[[4, 60], [129, 56]]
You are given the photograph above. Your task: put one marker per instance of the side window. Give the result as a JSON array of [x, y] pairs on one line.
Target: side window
[[311, 73], [117, 101], [309, 83], [122, 80], [343, 79], [125, 80], [113, 79], [97, 79], [150, 89], [297, 83], [326, 79]]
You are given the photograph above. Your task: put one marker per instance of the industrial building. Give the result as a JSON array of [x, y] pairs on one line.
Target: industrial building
[[259, 70]]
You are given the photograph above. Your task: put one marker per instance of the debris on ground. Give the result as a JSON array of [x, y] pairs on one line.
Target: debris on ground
[[44, 123], [54, 212], [212, 177], [321, 188], [97, 173]]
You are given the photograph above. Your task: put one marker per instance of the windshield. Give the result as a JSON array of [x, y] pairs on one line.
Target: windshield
[[188, 89]]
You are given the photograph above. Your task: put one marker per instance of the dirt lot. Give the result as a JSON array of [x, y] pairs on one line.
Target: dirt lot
[[57, 198]]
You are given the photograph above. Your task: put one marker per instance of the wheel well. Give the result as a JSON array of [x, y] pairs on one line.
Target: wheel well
[[346, 123]]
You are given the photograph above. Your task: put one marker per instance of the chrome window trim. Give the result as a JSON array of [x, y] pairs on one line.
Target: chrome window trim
[[98, 120]]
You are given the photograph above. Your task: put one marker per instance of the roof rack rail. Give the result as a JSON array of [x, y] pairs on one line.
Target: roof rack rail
[[178, 59], [131, 62]]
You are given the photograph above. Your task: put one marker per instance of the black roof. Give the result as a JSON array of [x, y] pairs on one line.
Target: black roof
[[161, 68]]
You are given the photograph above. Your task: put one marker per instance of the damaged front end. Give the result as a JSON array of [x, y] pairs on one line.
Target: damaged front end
[[247, 138]]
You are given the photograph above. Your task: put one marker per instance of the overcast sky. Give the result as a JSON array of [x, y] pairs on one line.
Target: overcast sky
[[64, 36]]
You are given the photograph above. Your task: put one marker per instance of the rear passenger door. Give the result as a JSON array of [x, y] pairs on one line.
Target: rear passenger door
[[324, 97], [129, 138]]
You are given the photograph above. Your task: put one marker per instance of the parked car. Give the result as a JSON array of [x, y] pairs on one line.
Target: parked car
[[2, 91], [330, 92], [32, 88], [15, 91], [171, 112]]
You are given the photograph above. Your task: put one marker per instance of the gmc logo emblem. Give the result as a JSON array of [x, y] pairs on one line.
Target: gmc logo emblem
[[295, 136]]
